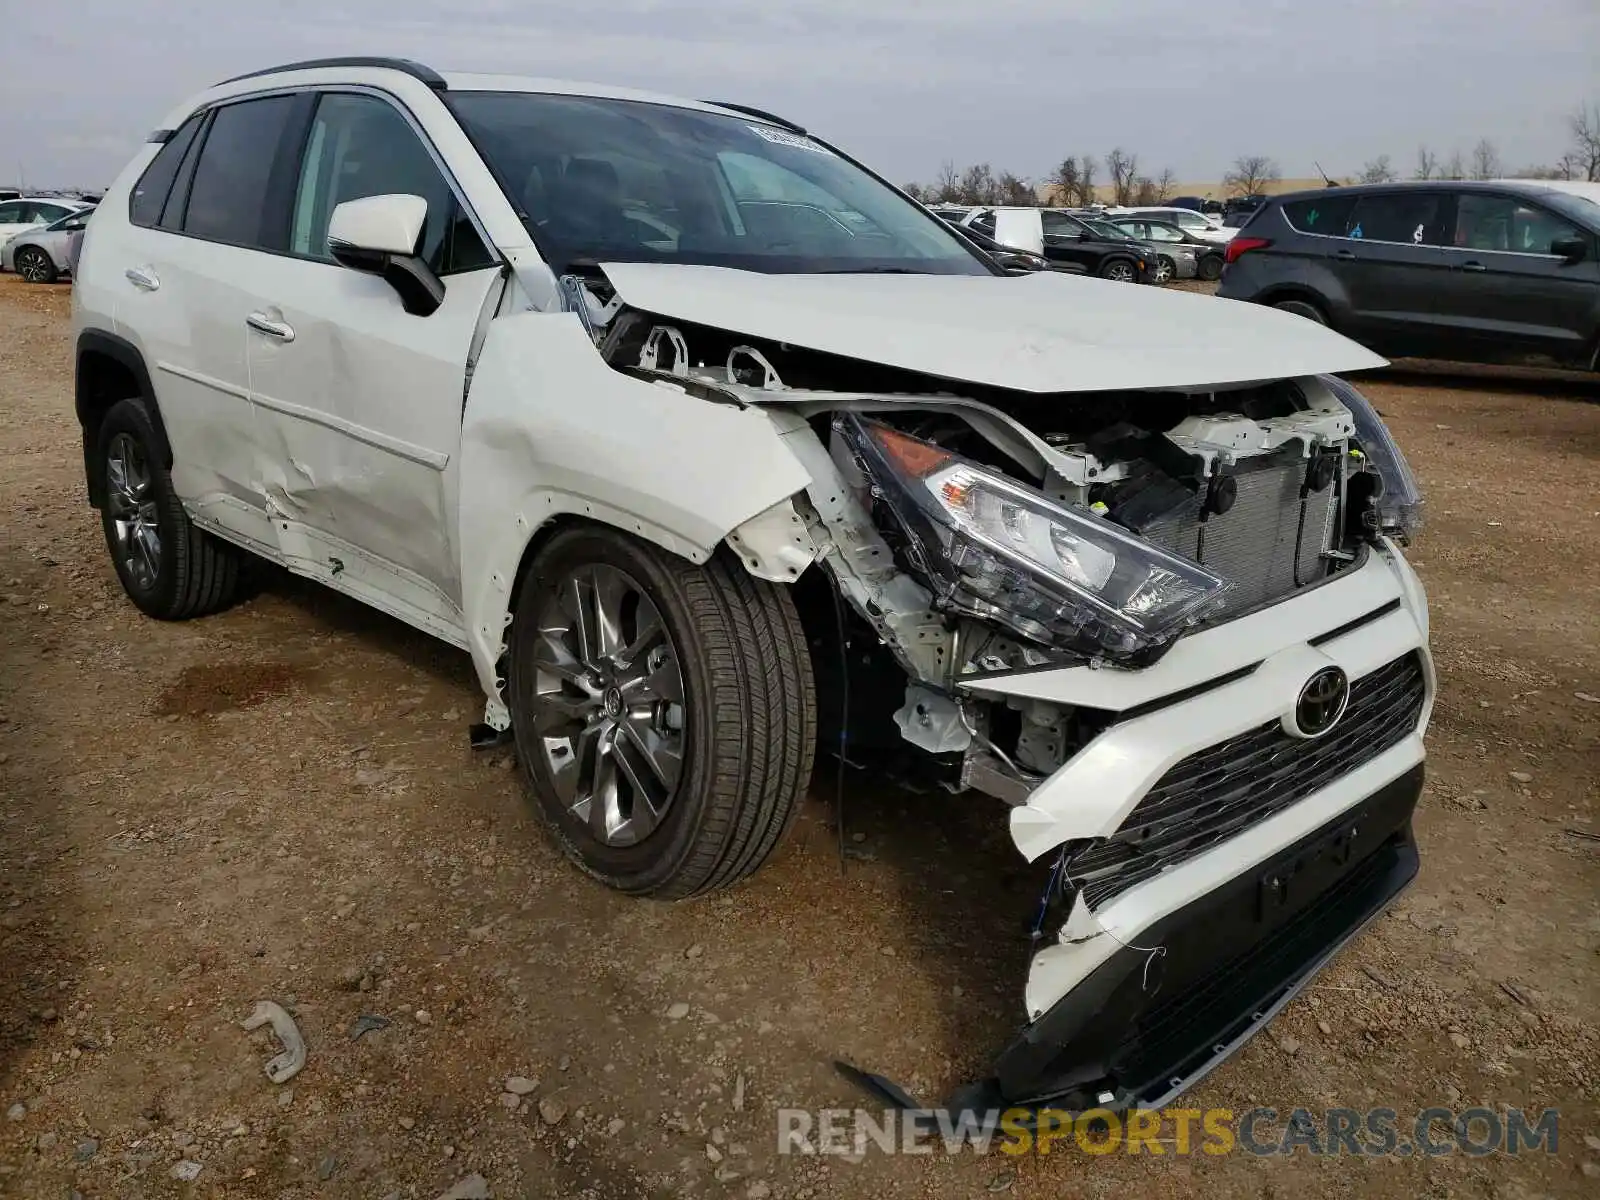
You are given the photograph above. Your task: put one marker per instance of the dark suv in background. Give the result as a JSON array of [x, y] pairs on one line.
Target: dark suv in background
[[1483, 272]]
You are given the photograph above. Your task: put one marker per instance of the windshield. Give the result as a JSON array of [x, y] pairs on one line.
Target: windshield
[[627, 181]]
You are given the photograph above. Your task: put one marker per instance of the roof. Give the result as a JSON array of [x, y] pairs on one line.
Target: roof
[[1510, 187]]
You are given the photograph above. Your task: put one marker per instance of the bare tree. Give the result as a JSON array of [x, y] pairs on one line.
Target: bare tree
[[1124, 170], [1485, 160], [1086, 172], [1250, 175], [1584, 157], [947, 187], [1379, 170], [1165, 186], [978, 185], [1064, 182], [1013, 189], [916, 192], [1455, 168], [1427, 164]]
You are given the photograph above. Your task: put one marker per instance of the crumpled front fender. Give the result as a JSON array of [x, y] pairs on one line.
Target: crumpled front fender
[[550, 430]]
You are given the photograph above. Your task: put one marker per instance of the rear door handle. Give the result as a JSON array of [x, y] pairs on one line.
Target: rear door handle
[[142, 278], [261, 323], [1473, 266]]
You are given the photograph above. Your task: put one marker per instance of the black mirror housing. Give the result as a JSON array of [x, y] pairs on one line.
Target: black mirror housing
[[421, 291], [1570, 249]]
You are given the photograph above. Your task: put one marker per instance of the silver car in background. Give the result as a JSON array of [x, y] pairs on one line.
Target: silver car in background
[[44, 255]]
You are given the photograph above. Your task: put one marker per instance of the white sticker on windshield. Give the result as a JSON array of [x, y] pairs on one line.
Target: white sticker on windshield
[[783, 137]]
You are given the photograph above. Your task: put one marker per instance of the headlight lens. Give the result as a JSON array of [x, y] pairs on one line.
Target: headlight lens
[[997, 549], [1392, 503]]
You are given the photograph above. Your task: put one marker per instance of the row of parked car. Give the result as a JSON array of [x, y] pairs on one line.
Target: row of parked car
[[1130, 245], [39, 234]]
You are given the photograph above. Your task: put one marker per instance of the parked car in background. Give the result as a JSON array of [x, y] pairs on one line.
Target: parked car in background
[[1180, 263], [1202, 225], [34, 212], [1495, 272], [1197, 203], [1071, 244], [44, 255], [1203, 255], [1015, 261]]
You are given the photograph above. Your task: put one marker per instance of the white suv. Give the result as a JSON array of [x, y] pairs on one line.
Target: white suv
[[711, 447]]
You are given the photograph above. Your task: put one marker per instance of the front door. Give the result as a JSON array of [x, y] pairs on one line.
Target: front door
[[1509, 296], [359, 403]]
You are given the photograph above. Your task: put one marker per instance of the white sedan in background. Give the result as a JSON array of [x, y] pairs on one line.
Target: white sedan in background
[[1202, 225]]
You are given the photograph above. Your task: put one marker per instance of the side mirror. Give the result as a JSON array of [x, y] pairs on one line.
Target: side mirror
[[380, 235], [1570, 249]]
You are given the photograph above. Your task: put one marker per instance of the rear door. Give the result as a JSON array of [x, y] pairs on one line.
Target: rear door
[[1510, 297], [207, 213], [1067, 242], [1396, 271]]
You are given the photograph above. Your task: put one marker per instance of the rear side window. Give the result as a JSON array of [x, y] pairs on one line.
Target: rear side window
[[150, 193], [1328, 216], [1398, 217], [228, 197]]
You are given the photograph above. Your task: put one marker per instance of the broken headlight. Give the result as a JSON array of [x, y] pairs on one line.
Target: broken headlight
[[997, 549], [1384, 495]]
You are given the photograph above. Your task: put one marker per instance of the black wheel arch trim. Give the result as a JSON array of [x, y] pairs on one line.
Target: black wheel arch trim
[[91, 407]]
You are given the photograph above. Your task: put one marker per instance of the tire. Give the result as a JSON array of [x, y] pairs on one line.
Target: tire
[[1210, 268], [181, 571], [1119, 270], [730, 647], [1303, 308], [35, 266], [1165, 270]]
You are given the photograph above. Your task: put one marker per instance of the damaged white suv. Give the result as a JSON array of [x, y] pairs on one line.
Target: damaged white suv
[[711, 447]]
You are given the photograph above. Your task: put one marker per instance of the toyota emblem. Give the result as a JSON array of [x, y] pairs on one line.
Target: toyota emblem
[[1322, 702]]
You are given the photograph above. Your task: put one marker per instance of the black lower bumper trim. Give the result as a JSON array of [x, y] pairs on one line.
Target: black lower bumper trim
[[1142, 1029]]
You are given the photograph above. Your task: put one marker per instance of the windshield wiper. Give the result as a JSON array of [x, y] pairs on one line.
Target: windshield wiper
[[875, 271]]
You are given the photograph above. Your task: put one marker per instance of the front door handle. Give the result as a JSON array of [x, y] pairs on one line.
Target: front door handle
[[1473, 266], [1345, 255], [261, 323], [142, 278]]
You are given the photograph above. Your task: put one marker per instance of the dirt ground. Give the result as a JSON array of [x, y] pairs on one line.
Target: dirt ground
[[280, 803]]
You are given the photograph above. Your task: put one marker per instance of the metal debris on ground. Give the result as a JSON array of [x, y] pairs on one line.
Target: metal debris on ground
[[367, 1023], [285, 1066]]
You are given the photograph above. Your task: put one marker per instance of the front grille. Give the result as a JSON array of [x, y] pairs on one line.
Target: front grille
[[1270, 543], [1213, 794]]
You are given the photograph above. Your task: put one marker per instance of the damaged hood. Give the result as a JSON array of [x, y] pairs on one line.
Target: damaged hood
[[1045, 332]]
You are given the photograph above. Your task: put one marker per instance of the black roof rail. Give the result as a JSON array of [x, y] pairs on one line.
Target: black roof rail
[[756, 112], [416, 70]]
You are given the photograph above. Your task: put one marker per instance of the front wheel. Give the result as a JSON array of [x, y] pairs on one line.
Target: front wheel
[[1119, 270], [35, 266], [664, 712], [1165, 270], [1303, 308]]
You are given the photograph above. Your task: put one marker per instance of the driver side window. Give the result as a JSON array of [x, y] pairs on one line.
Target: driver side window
[[362, 146]]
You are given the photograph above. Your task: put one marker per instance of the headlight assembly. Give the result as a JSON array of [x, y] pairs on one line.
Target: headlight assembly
[[997, 549], [1383, 493]]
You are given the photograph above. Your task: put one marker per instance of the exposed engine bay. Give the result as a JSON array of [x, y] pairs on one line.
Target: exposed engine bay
[[976, 531]]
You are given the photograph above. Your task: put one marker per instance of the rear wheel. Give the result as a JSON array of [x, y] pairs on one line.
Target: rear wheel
[[1303, 308], [664, 712], [170, 569], [35, 266], [1211, 268], [1119, 270]]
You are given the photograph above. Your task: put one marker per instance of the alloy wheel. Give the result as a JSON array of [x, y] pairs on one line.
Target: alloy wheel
[[608, 703], [32, 265], [1119, 273], [132, 507], [1163, 271]]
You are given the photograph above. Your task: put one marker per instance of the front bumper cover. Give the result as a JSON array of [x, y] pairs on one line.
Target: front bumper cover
[[1145, 1027]]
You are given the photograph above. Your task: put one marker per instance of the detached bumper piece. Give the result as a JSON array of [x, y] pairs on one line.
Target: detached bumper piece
[[1145, 1028]]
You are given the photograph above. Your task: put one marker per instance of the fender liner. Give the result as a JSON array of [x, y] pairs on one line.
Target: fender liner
[[91, 404]]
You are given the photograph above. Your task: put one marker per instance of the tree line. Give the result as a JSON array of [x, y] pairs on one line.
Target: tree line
[[1076, 181]]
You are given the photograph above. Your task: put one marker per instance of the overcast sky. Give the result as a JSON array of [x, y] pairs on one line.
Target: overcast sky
[[903, 84]]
